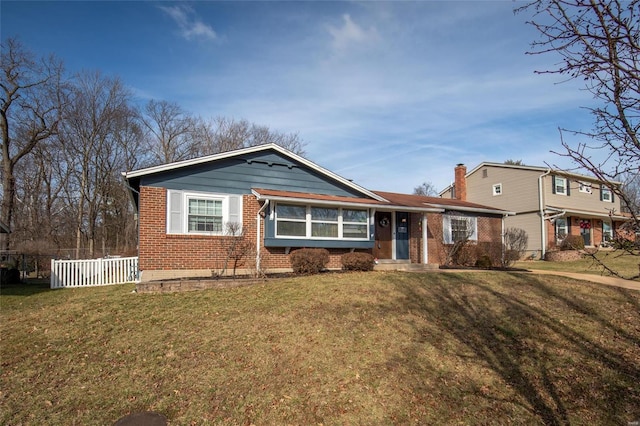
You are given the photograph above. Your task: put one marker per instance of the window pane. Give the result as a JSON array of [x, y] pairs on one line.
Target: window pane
[[354, 231], [292, 229], [319, 213], [286, 211], [561, 228], [327, 230], [355, 215], [459, 230], [205, 215]]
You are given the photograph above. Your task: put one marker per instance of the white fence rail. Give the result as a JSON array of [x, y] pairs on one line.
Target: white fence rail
[[94, 272]]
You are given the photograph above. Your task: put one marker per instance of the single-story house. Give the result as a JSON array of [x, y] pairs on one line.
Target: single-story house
[[256, 205]]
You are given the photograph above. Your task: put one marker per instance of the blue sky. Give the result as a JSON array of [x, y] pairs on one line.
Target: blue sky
[[388, 94]]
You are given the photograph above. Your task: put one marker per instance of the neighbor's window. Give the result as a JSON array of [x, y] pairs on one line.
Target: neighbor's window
[[561, 229], [317, 222], [497, 189], [607, 231], [459, 228], [585, 187], [605, 194], [560, 185]]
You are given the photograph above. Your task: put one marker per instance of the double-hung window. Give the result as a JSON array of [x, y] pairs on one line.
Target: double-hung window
[[560, 185], [562, 229], [459, 228], [319, 222], [607, 231], [203, 213], [497, 189], [585, 187], [605, 194]]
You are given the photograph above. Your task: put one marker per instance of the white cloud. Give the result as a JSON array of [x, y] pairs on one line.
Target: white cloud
[[191, 27], [351, 33]]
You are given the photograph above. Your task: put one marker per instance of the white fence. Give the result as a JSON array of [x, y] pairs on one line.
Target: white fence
[[95, 272]]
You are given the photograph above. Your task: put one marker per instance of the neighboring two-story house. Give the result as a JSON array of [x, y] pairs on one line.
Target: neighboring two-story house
[[549, 204]]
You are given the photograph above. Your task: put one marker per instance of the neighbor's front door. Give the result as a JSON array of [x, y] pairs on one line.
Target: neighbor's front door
[[585, 231], [383, 246]]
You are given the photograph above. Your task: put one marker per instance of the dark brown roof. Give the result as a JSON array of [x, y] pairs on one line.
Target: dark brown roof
[[393, 200], [421, 200]]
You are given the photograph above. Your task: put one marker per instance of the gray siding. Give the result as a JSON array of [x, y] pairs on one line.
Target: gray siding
[[519, 188], [530, 222], [577, 200], [239, 174]]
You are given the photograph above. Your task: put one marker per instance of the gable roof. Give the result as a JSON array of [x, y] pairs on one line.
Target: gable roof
[[541, 169], [250, 150]]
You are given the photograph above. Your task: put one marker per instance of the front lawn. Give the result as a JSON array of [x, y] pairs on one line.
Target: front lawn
[[624, 264], [357, 348]]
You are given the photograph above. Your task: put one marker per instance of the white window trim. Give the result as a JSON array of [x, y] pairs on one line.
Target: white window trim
[[448, 232], [565, 227], [585, 187], [497, 189], [179, 225], [564, 186], [309, 221], [609, 193]]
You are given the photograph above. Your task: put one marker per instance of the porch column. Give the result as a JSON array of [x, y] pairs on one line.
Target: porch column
[[425, 245]]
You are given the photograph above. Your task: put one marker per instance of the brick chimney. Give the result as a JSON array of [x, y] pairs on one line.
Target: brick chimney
[[460, 185]]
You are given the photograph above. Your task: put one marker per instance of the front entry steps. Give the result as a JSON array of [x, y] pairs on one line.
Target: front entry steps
[[403, 265]]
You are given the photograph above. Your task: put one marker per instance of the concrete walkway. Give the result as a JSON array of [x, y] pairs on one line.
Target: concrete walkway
[[600, 279]]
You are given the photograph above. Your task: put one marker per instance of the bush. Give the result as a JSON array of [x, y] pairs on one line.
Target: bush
[[572, 242], [484, 261], [357, 261], [515, 241], [309, 261]]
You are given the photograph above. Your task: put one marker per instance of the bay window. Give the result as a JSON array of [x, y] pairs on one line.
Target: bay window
[[319, 222]]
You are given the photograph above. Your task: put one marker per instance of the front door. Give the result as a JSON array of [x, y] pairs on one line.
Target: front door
[[383, 246], [402, 235], [585, 231]]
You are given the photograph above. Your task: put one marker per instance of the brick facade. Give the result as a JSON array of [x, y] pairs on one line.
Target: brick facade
[[165, 255]]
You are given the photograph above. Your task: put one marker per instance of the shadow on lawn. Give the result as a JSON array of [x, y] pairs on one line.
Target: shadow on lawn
[[556, 350], [25, 289]]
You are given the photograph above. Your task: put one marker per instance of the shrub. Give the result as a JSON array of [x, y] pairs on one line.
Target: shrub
[[572, 242], [309, 261], [357, 261], [515, 240], [484, 261]]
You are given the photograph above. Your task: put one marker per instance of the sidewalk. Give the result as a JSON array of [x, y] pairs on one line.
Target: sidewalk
[[600, 279]]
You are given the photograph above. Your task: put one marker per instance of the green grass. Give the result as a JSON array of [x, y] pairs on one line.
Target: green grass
[[624, 264], [357, 348]]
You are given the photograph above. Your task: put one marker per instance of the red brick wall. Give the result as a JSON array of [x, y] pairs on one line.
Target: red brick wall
[[159, 251]]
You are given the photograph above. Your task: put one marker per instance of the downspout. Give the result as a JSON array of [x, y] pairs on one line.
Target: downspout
[[504, 248], [542, 219], [264, 206]]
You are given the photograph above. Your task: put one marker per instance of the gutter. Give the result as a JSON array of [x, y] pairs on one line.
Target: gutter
[[542, 218], [264, 206]]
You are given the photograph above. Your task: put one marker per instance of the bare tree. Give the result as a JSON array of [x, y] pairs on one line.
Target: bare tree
[[99, 107], [171, 132], [31, 96], [515, 245], [225, 134], [599, 44], [426, 189]]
